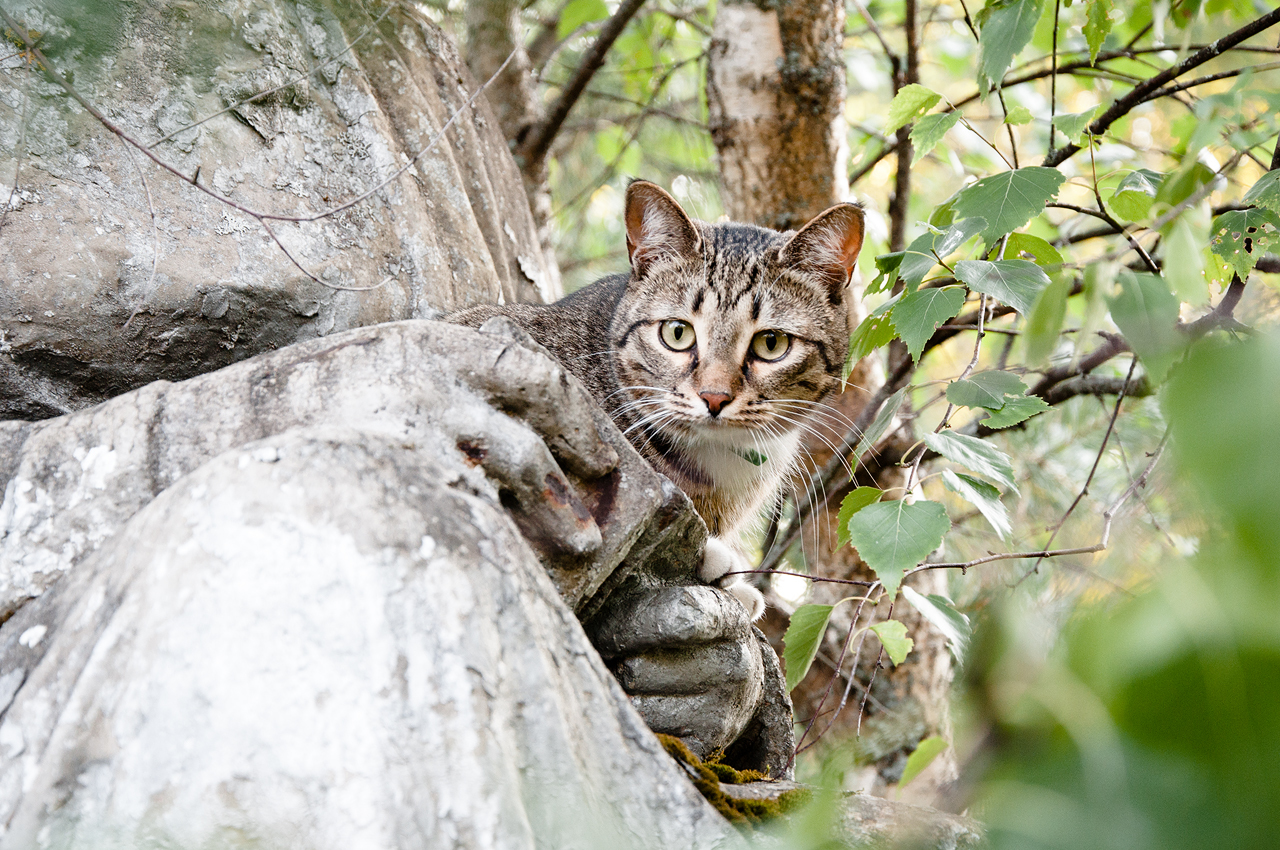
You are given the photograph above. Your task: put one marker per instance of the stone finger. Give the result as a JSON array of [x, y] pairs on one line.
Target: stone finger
[[669, 617], [527, 382], [691, 670], [532, 486], [705, 722]]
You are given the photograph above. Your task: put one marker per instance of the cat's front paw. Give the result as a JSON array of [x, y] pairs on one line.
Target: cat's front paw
[[718, 560]]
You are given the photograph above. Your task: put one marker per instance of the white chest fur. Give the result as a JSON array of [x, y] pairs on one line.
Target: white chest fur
[[743, 465]]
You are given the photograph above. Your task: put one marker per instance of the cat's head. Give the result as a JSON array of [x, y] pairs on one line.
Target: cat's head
[[729, 329]]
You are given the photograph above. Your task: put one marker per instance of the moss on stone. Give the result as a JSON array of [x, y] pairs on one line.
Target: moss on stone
[[707, 776]]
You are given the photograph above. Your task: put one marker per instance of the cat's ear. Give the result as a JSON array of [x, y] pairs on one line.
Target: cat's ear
[[657, 228], [828, 246]]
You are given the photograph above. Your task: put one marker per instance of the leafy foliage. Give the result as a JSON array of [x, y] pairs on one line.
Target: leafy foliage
[[1015, 282], [850, 505], [942, 614], [1089, 254], [1008, 200], [983, 496], [911, 102], [1007, 26], [800, 643], [1242, 237], [977, 455], [929, 130], [923, 755], [919, 313], [895, 536], [893, 637]]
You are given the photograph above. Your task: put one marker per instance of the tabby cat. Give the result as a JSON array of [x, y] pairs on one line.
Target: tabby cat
[[712, 354]]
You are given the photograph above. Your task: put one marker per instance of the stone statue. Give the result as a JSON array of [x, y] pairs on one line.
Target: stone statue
[[288, 596]]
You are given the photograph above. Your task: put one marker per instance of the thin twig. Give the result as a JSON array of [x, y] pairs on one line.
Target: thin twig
[[1150, 87], [286, 85], [1084, 491], [538, 142], [155, 238], [1104, 538]]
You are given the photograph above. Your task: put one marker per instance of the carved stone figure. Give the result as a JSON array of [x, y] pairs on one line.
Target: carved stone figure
[[286, 596]]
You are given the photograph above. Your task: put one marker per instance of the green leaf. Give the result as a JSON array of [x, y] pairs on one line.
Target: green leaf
[[800, 643], [929, 130], [1145, 311], [1266, 192], [1038, 250], [978, 455], [1040, 335], [1018, 115], [1015, 410], [1015, 282], [880, 424], [983, 496], [1130, 205], [1178, 186], [1006, 27], [894, 536], [1073, 125], [985, 389], [1184, 260], [580, 12], [887, 266], [850, 505], [925, 752], [1134, 194], [1097, 25], [908, 104], [1009, 199], [893, 637], [919, 313], [754, 457], [1241, 237], [923, 253], [873, 332], [942, 614]]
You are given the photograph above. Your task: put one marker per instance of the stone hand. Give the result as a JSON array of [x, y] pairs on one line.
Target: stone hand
[[541, 425], [689, 659]]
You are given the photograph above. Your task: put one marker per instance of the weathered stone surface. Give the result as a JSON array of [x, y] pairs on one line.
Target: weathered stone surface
[[76, 480], [114, 273], [247, 507], [250, 661], [866, 821]]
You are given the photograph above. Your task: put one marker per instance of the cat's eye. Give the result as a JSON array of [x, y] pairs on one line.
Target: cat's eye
[[770, 345], [676, 335]]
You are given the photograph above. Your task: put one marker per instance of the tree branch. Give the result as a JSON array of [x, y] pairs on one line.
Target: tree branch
[[1150, 87], [533, 150]]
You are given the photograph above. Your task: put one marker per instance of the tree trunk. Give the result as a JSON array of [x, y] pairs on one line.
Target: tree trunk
[[775, 89]]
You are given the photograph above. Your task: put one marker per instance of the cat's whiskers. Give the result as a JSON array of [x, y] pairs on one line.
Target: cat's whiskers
[[817, 416], [799, 469], [804, 427]]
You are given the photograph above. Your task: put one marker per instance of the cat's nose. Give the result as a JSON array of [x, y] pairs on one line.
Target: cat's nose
[[715, 401]]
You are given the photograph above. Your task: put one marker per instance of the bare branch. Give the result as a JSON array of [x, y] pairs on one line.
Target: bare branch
[[1150, 87], [534, 149]]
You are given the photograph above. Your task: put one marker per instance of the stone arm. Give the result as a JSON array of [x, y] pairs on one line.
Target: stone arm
[[503, 421]]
